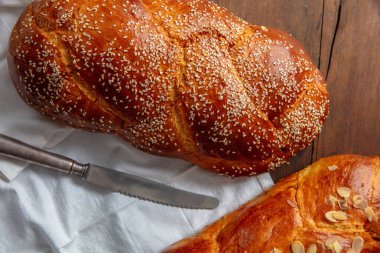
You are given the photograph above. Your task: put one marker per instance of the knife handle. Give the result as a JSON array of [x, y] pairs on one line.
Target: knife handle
[[13, 148]]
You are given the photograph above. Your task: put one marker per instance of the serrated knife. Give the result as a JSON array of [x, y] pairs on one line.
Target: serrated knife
[[116, 181]]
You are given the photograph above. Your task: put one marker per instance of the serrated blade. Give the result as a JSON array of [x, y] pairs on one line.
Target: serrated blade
[[146, 189]]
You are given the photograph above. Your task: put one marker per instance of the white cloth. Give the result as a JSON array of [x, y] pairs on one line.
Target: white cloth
[[44, 211]]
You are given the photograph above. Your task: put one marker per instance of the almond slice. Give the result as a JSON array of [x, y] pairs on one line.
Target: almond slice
[[329, 216], [332, 167], [329, 242], [342, 204], [312, 249], [336, 247], [292, 203], [321, 247], [344, 192], [297, 247], [331, 200], [360, 204], [356, 198], [340, 215], [357, 244], [275, 250], [351, 251], [369, 213]]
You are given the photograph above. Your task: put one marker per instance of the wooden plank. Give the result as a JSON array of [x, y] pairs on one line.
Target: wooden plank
[[329, 28], [353, 76], [331, 11], [302, 19]]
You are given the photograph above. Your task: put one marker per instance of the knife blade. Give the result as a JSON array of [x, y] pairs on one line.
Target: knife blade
[[116, 181]]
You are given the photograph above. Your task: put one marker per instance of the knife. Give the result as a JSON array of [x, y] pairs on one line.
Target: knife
[[116, 181]]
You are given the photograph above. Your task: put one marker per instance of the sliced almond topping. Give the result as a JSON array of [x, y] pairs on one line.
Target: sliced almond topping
[[331, 200], [357, 244], [356, 198], [332, 167], [360, 204], [344, 192], [292, 203], [340, 215], [369, 213], [321, 247], [336, 247], [329, 242], [275, 250], [342, 204], [351, 251], [297, 247], [312, 249], [329, 216]]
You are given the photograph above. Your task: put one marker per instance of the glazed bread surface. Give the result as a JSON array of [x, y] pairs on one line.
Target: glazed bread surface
[[175, 78], [295, 214]]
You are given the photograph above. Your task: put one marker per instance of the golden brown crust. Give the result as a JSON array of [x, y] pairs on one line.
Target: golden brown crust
[[294, 210], [176, 78]]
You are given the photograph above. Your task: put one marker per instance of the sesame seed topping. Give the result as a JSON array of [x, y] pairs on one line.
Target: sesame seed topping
[[178, 78]]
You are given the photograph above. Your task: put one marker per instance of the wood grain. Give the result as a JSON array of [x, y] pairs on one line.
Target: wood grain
[[343, 38], [353, 75]]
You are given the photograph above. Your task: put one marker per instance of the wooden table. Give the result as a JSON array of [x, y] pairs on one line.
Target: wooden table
[[343, 38]]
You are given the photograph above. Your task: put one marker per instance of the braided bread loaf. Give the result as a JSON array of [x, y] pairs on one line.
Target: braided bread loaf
[[330, 206], [184, 79]]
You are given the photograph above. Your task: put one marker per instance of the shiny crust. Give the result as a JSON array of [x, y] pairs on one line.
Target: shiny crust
[[269, 221], [184, 79]]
